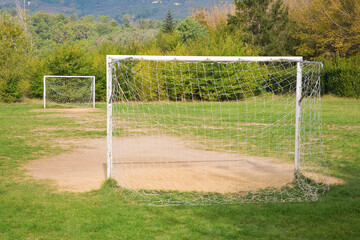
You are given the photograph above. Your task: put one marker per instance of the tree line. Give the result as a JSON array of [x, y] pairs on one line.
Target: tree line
[[323, 30]]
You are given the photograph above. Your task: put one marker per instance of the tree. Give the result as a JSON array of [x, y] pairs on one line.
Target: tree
[[167, 42], [73, 17], [169, 24], [214, 17], [190, 29], [14, 51], [103, 19], [41, 25], [326, 27], [68, 59], [264, 23], [128, 20]]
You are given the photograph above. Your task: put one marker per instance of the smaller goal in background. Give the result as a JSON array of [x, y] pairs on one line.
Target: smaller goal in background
[[69, 91]]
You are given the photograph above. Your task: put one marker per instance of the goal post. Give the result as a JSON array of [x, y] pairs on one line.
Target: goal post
[[77, 91], [298, 116], [109, 76], [237, 129]]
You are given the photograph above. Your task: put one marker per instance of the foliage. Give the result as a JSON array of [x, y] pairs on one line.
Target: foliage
[[147, 24], [14, 51], [68, 59], [249, 27], [9, 89], [167, 42], [190, 29], [99, 64], [264, 23], [169, 24], [36, 73], [114, 8], [127, 20], [342, 77], [214, 17], [48, 30], [326, 27]]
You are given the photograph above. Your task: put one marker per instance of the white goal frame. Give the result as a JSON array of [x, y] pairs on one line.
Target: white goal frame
[[58, 76], [109, 73]]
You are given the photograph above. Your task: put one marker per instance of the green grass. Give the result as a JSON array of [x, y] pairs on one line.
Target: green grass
[[32, 209], [240, 126]]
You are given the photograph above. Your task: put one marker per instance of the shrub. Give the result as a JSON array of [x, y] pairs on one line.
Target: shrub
[[69, 59], [9, 89], [36, 74], [14, 52], [167, 42], [342, 77], [190, 29]]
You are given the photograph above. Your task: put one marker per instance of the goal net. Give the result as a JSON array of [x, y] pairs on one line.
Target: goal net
[[69, 91], [208, 130]]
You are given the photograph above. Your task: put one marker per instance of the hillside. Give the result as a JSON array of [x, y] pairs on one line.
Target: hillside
[[155, 9]]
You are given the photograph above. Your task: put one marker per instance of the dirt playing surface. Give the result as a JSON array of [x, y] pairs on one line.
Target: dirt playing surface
[[162, 163], [82, 169]]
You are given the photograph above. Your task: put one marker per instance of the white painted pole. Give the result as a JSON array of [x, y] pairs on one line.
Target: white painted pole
[[109, 116], [58, 76], [44, 95], [298, 116], [93, 92], [203, 58]]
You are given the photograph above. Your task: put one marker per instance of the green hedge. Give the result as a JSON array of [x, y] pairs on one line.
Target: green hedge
[[342, 77], [9, 89]]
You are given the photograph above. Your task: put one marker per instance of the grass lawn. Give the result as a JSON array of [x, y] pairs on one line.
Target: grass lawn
[[31, 209]]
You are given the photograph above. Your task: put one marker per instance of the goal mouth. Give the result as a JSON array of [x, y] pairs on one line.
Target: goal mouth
[[238, 129], [69, 91]]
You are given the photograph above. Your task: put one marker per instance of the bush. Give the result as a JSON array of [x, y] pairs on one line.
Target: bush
[[9, 89], [36, 74], [190, 29], [69, 59], [342, 77], [98, 57], [167, 42], [14, 52]]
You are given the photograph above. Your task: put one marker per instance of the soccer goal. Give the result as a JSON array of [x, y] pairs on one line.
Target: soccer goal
[[69, 91], [207, 130]]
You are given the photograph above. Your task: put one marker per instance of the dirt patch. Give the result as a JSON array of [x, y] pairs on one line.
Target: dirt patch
[[81, 114], [90, 119], [162, 163], [79, 170], [66, 110], [341, 127], [325, 179]]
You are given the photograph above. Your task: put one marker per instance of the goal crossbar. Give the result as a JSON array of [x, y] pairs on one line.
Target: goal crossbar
[[59, 76], [112, 58]]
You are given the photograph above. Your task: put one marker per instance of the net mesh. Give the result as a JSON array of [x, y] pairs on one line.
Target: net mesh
[[69, 91], [215, 132]]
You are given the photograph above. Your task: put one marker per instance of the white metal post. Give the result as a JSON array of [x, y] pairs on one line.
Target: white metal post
[[44, 94], [298, 116], [203, 58], [93, 92], [109, 115]]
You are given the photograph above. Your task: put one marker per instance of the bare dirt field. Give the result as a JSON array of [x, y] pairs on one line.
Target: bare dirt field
[[162, 163], [156, 162], [82, 169]]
